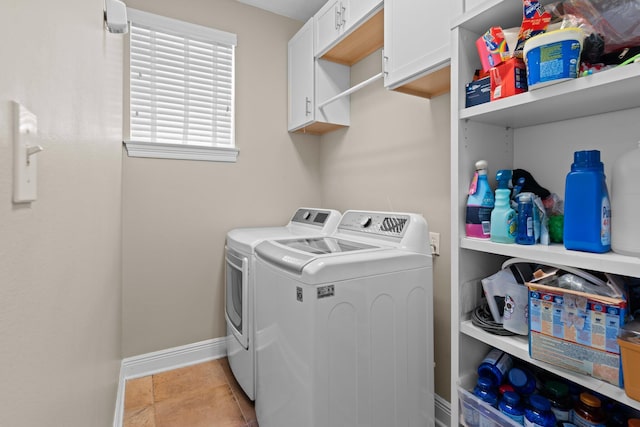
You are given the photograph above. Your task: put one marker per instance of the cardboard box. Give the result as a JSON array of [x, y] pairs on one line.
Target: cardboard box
[[478, 92], [492, 48], [508, 79], [576, 331]]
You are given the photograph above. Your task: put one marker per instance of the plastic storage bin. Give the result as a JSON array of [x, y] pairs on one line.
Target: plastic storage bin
[[629, 341], [476, 413]]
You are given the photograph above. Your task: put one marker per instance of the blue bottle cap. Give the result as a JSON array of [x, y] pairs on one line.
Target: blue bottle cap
[[485, 383], [503, 177], [517, 377], [588, 159], [540, 403], [511, 398]]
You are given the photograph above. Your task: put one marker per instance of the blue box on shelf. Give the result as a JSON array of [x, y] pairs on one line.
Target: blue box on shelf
[[478, 92]]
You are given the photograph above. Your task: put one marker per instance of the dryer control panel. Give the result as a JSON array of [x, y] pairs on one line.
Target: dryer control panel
[[378, 223], [311, 216]]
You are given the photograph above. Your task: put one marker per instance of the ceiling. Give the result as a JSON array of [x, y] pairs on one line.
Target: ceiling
[[295, 9]]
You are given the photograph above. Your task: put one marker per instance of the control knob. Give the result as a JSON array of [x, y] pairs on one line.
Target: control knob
[[365, 222]]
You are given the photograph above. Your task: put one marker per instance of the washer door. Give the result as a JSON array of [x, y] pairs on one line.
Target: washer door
[[236, 287]]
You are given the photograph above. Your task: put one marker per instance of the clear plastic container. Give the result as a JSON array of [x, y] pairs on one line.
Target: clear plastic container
[[475, 413]]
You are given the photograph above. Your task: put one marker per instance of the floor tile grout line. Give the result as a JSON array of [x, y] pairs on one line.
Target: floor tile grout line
[[235, 399]]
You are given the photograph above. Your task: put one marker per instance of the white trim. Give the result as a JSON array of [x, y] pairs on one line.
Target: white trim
[[442, 411], [119, 413], [181, 27], [165, 360], [203, 351], [181, 152]]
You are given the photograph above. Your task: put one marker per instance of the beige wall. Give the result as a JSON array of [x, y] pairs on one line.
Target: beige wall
[[176, 213], [60, 284], [395, 156]]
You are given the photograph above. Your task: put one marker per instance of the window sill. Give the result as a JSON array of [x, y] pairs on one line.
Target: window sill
[[181, 152]]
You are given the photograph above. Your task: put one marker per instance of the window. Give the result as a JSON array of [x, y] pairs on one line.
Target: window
[[181, 90]]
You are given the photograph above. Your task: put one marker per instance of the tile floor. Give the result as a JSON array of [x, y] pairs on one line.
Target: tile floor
[[202, 395]]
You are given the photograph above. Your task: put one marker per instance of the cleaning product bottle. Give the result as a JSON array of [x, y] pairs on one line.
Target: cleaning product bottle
[[525, 234], [479, 204], [625, 202], [503, 218], [587, 210]]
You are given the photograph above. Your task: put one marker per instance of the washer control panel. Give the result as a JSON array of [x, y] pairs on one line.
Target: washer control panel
[[311, 216], [379, 223]]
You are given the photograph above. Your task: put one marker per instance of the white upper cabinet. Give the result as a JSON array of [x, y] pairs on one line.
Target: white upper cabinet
[[329, 24], [339, 17], [311, 83], [417, 42], [300, 69]]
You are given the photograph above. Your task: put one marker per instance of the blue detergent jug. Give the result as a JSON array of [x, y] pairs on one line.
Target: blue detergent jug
[[587, 209]]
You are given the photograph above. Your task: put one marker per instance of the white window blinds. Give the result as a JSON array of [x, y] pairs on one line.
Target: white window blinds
[[181, 82]]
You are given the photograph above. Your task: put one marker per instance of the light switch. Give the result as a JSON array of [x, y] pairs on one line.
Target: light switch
[[25, 149]]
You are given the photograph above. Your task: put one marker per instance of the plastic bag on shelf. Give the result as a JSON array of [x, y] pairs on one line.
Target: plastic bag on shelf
[[617, 21]]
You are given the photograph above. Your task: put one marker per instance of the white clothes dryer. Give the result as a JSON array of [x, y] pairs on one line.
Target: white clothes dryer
[[240, 279], [344, 326]]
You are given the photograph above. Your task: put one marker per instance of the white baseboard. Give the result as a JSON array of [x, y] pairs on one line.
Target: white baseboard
[[165, 360], [203, 351], [443, 412]]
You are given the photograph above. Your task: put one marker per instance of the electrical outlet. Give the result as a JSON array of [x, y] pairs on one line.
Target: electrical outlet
[[434, 241]]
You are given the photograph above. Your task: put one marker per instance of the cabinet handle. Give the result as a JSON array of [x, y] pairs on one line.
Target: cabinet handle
[[307, 104], [337, 18], [343, 9], [385, 60]]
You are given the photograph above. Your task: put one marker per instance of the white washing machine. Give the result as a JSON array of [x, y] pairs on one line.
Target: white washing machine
[[344, 326], [240, 279]]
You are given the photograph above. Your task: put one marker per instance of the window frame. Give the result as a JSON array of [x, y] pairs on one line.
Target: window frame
[[184, 151]]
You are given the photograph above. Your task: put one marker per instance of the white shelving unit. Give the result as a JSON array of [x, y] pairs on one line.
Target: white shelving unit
[[537, 131]]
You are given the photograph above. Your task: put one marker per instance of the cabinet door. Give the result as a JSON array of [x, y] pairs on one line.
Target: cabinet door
[[328, 24], [301, 77], [416, 37], [357, 10]]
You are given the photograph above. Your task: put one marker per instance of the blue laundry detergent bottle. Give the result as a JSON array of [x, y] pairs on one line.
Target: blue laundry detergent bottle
[[479, 204], [587, 209], [503, 218]]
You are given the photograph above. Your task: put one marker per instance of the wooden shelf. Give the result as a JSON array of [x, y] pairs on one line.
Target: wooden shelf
[[369, 37], [318, 128], [432, 84], [360, 43]]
